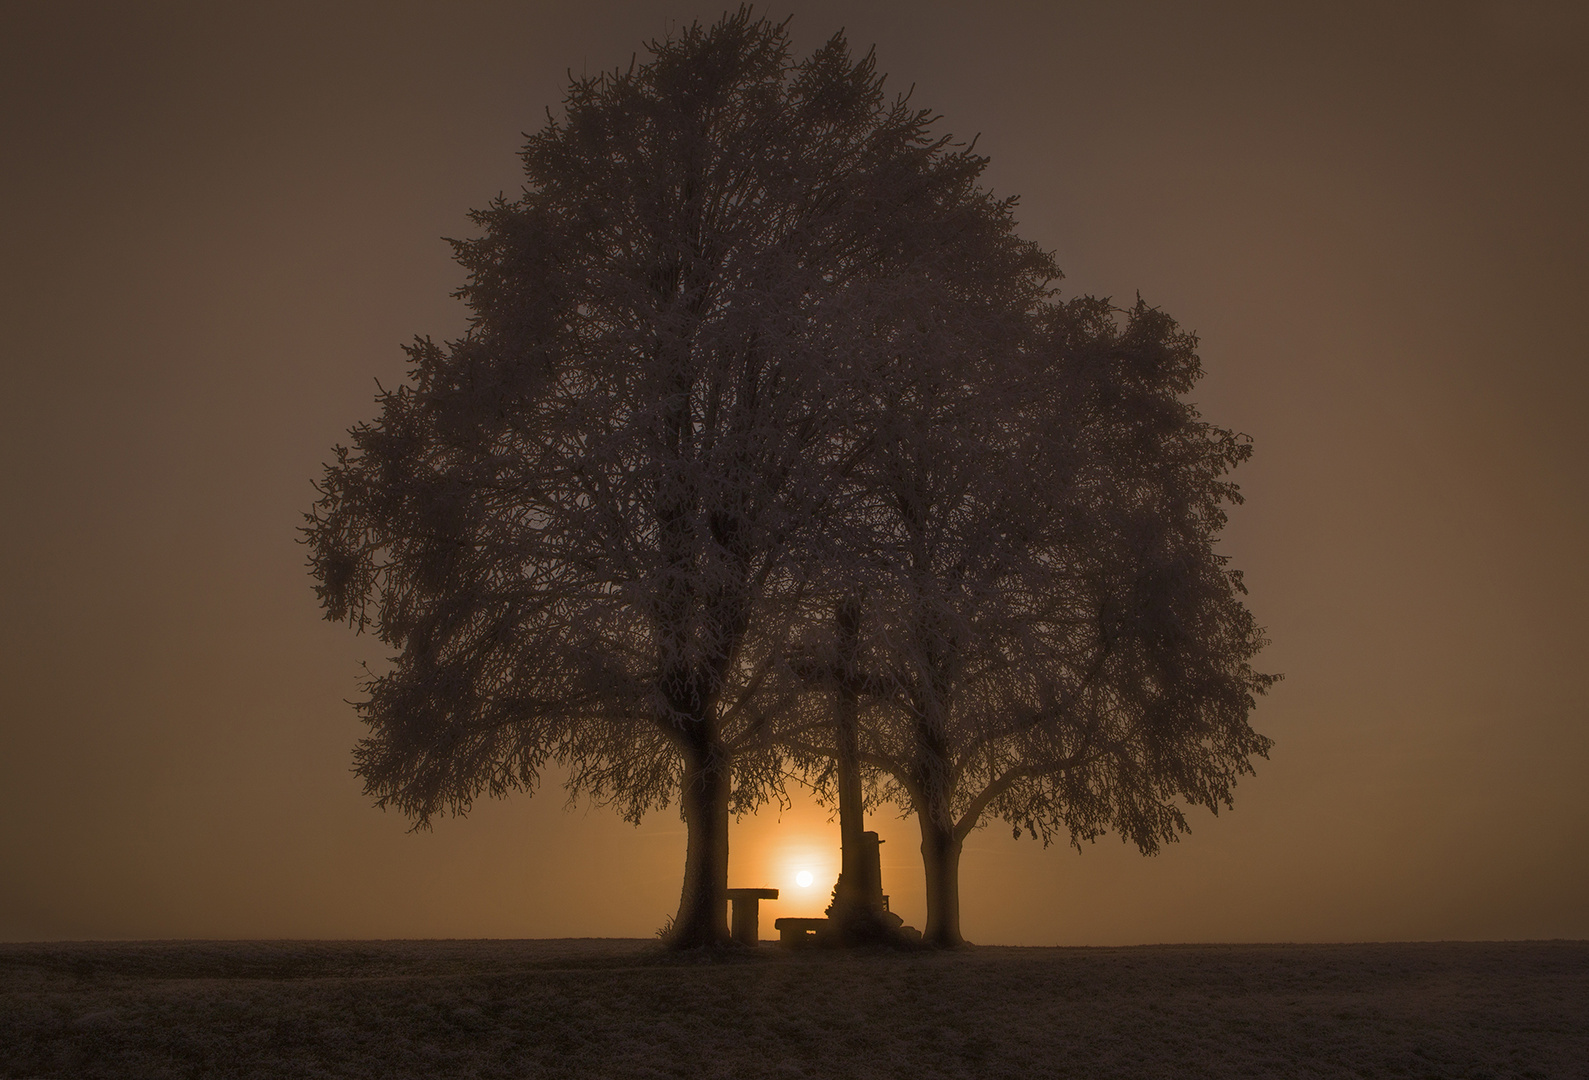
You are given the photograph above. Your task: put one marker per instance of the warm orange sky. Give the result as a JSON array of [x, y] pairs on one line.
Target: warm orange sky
[[217, 229]]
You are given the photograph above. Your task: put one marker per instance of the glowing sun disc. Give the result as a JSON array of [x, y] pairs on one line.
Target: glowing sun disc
[[803, 879]]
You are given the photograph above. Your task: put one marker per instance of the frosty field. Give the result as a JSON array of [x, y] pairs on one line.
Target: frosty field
[[622, 1008]]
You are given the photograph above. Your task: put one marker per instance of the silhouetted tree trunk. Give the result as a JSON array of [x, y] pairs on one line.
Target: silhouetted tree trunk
[[934, 791], [940, 858], [703, 905], [852, 893]]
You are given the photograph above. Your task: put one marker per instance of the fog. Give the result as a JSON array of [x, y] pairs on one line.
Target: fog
[[219, 226]]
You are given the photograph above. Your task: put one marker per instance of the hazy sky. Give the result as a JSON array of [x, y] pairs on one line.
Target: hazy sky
[[216, 228]]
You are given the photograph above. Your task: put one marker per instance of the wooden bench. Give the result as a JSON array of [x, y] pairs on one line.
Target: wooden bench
[[745, 927], [795, 931]]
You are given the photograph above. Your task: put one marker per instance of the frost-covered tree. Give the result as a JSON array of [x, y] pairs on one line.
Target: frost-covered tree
[[1049, 635], [586, 527]]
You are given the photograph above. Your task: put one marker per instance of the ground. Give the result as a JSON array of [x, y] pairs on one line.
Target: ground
[[625, 1009]]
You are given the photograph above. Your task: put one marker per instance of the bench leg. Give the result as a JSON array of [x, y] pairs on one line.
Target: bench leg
[[745, 928]]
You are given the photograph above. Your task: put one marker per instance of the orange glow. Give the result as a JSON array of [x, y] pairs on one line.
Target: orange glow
[[806, 868], [774, 849]]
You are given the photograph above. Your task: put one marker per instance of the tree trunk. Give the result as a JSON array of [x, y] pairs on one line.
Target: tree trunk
[[940, 857], [940, 842], [852, 894], [703, 906]]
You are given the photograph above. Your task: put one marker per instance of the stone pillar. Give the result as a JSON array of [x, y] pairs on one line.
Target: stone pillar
[[745, 926]]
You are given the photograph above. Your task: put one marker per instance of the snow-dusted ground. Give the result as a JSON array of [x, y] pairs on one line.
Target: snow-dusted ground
[[621, 1008]]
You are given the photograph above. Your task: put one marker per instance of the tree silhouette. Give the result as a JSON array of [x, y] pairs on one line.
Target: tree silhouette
[[588, 526], [1050, 636]]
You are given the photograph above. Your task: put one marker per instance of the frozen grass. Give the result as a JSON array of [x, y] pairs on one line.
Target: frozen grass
[[623, 1009]]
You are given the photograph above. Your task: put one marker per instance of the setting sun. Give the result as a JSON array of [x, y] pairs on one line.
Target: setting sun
[[803, 879]]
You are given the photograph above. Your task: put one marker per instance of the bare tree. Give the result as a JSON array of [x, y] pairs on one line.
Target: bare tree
[[584, 526], [1050, 636]]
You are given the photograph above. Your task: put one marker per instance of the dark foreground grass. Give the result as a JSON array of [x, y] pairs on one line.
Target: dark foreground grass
[[623, 1009]]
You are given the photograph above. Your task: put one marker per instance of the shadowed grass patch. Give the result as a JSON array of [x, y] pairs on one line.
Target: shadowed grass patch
[[625, 1008]]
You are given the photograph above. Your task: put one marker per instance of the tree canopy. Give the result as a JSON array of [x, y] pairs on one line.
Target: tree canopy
[[1051, 637], [588, 526]]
